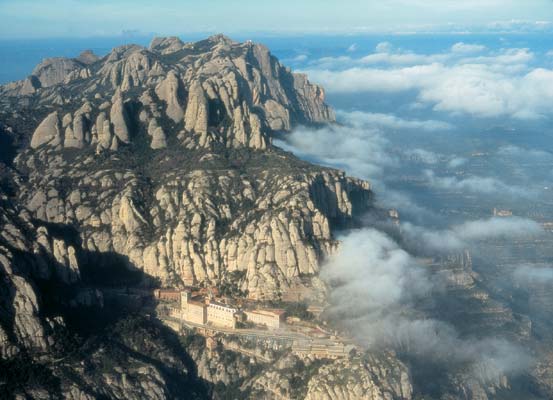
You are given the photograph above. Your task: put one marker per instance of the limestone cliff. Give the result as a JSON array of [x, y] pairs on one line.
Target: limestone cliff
[[171, 164]]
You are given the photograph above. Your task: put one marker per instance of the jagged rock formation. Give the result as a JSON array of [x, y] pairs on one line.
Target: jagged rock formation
[[195, 222], [287, 376], [40, 357], [53, 71], [159, 160], [21, 326], [47, 132], [213, 91], [201, 223]]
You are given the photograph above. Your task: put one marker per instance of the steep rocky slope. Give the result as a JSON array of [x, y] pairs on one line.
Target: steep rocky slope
[[155, 166], [41, 356], [163, 155]]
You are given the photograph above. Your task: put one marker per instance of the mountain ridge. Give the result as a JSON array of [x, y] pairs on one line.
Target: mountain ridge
[[121, 175], [164, 154]]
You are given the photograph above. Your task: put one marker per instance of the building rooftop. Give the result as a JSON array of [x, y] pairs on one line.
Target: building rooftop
[[197, 303], [267, 312], [169, 290], [220, 304]]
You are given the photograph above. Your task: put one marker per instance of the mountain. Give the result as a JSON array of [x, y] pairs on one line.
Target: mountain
[[154, 167], [164, 155]]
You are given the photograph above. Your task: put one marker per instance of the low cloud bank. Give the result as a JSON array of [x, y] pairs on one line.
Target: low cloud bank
[[468, 79], [359, 118], [483, 185], [464, 235], [358, 145], [361, 152], [375, 286]]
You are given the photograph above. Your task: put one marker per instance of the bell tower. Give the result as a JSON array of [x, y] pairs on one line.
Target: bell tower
[[184, 297]]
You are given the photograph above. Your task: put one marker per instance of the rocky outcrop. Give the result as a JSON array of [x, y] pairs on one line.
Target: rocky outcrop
[[37, 356], [127, 67], [168, 90], [118, 117], [47, 132], [196, 117], [53, 71], [21, 326], [204, 223], [221, 91], [75, 134], [159, 139], [189, 223], [377, 378], [87, 57], [265, 369], [167, 45]]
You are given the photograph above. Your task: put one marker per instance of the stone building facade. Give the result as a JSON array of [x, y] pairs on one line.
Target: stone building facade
[[272, 319], [221, 315], [167, 294]]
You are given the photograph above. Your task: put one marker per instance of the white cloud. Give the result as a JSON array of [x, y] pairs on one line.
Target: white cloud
[[300, 58], [482, 185], [359, 150], [462, 236], [506, 57], [404, 58], [352, 48], [370, 262], [383, 47], [374, 286], [456, 162], [332, 62], [391, 121], [357, 80], [496, 84], [465, 48], [475, 89], [358, 145]]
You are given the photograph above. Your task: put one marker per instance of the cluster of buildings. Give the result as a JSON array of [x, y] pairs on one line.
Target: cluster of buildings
[[323, 349], [199, 309]]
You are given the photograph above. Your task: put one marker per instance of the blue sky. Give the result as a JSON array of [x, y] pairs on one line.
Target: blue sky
[[81, 18]]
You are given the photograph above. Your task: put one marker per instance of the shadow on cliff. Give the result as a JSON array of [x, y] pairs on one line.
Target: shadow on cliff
[[7, 147], [108, 317], [121, 318]]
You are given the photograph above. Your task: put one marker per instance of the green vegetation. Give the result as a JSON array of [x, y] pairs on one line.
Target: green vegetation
[[298, 310], [230, 285]]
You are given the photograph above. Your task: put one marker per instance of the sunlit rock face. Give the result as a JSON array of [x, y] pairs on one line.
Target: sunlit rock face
[[213, 91], [163, 155]]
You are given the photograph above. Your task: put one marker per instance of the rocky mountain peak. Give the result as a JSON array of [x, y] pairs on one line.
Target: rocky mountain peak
[[164, 155], [53, 71], [87, 57], [209, 93], [166, 45], [221, 39]]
